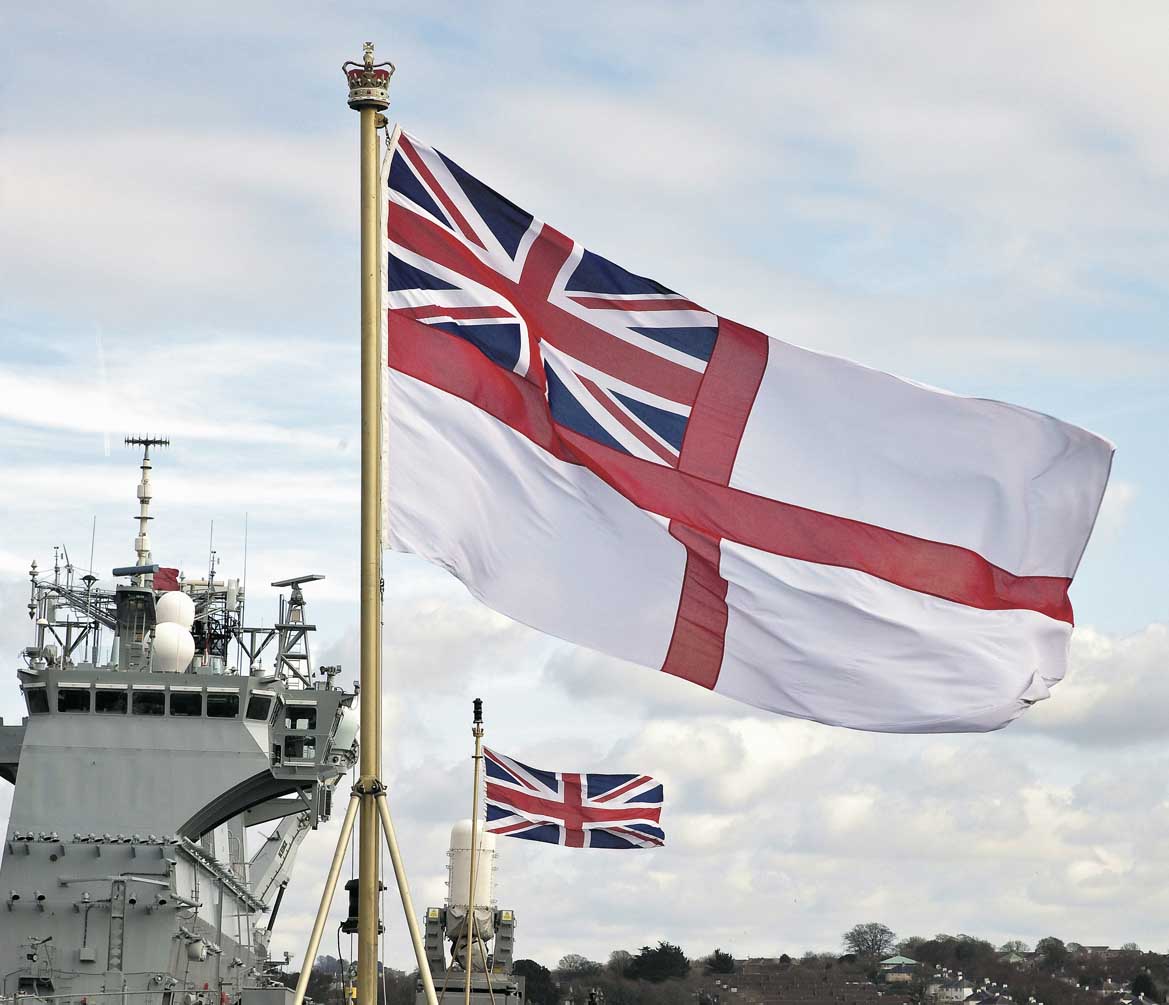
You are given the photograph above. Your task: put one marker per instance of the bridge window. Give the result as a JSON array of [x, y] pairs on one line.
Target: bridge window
[[110, 701], [222, 706], [72, 699], [38, 700], [259, 706], [186, 703], [300, 748], [300, 717], [148, 702]]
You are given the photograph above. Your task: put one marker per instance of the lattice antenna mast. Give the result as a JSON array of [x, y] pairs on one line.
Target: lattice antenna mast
[[142, 541]]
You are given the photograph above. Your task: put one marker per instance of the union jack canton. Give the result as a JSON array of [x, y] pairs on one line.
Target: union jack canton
[[620, 357], [574, 810]]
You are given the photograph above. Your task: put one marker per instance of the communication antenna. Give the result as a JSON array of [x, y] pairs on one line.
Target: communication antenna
[[243, 604], [142, 542]]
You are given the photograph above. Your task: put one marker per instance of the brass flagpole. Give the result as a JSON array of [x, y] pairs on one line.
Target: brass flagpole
[[369, 95]]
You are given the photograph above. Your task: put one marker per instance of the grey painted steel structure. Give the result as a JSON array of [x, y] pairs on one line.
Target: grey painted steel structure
[[126, 873]]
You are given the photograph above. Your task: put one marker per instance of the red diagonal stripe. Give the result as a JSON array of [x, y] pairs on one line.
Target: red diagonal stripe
[[942, 570], [437, 190], [606, 304], [624, 788], [514, 772], [642, 436], [454, 313], [510, 827], [627, 832]]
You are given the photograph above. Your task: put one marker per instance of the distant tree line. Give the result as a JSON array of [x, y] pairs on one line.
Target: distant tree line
[[1054, 973]]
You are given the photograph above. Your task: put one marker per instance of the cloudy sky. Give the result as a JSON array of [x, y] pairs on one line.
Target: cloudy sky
[[975, 197]]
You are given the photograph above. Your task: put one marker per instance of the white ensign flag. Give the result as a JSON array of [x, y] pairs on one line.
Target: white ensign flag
[[597, 456]]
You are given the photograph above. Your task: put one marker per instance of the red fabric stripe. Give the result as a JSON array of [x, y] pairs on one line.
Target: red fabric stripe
[[719, 414], [510, 827], [573, 811], [574, 824], [700, 629], [438, 191], [636, 834], [546, 321], [454, 313], [712, 439], [605, 304], [942, 570], [642, 436], [545, 259], [624, 788]]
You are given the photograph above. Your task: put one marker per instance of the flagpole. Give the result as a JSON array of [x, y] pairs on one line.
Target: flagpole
[[369, 94], [369, 101], [477, 732]]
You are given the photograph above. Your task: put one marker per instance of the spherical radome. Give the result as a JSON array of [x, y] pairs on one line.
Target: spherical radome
[[175, 607], [173, 648]]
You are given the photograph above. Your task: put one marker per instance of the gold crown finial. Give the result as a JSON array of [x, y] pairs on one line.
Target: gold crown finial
[[369, 82]]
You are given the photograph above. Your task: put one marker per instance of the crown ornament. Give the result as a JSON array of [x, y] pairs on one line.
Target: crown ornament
[[369, 82]]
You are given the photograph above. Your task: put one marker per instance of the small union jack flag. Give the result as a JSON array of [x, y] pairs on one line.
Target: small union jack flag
[[574, 810]]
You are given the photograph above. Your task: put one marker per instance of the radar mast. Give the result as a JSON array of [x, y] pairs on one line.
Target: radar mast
[[142, 541]]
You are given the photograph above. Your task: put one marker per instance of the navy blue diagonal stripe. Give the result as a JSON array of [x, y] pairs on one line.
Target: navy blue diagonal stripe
[[507, 221], [406, 277], [403, 180], [571, 413], [607, 839], [653, 795], [598, 275], [546, 778], [598, 784], [670, 426], [549, 833], [696, 342]]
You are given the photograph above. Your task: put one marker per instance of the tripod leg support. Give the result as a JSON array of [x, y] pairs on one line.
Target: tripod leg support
[[327, 893], [407, 902]]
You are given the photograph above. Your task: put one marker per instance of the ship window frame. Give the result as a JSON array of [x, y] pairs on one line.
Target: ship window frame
[[66, 690], [267, 696], [121, 690], [308, 741], [185, 692], [42, 695], [215, 694], [310, 719], [147, 690]]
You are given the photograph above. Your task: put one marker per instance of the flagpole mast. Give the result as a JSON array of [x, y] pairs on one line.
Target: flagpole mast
[[369, 94], [477, 732]]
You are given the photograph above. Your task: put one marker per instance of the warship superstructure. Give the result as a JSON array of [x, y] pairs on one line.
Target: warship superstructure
[[160, 728]]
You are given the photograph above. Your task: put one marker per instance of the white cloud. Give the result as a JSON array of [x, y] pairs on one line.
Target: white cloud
[[1116, 693]]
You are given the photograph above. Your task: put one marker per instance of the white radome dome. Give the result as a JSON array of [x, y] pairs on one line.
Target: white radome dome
[[176, 608], [173, 648]]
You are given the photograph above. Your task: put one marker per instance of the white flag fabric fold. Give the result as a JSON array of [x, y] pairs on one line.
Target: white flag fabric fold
[[598, 456]]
